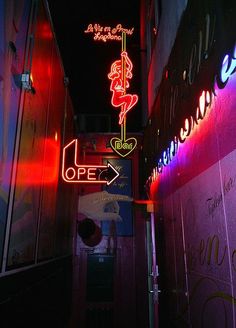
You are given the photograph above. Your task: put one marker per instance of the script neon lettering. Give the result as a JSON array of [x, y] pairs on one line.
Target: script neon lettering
[[104, 37], [165, 158], [189, 123], [106, 33], [124, 145], [159, 166], [173, 146], [227, 69]]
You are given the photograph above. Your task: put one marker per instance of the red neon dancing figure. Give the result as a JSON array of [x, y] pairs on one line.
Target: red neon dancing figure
[[118, 86]]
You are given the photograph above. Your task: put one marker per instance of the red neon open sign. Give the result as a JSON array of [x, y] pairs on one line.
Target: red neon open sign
[[73, 172]]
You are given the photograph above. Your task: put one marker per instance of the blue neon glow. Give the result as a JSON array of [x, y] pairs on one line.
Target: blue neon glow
[[228, 67]]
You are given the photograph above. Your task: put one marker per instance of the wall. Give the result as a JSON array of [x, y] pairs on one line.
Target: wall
[[197, 209], [193, 182], [35, 121]]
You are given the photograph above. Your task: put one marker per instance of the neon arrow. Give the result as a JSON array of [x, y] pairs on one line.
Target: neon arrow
[[75, 173]]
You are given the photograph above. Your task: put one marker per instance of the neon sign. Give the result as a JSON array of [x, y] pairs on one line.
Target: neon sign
[[120, 74], [189, 124], [228, 68], [76, 173], [108, 33], [119, 84]]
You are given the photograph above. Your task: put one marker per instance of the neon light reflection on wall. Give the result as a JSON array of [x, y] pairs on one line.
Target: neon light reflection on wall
[[205, 100]]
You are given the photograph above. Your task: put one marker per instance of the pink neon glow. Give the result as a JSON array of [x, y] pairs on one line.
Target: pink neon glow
[[118, 86], [189, 124]]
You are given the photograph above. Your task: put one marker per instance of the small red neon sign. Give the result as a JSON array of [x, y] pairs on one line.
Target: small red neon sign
[[119, 83], [75, 173], [108, 33]]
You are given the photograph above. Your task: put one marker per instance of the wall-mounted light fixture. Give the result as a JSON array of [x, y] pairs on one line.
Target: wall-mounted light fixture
[[27, 83]]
